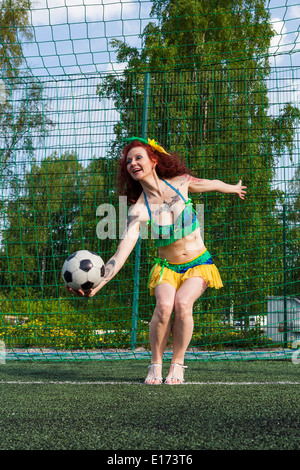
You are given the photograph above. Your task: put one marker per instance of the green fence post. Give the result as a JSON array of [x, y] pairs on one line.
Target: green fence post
[[136, 287], [284, 280]]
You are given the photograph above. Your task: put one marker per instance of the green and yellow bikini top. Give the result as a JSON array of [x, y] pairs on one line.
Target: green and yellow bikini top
[[186, 223]]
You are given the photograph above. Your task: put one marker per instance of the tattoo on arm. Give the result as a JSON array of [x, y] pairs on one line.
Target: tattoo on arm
[[183, 179], [130, 219], [194, 180], [109, 269]]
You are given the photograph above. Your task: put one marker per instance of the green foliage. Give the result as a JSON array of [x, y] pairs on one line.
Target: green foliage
[[221, 338], [40, 221], [203, 33], [14, 23], [23, 123], [23, 110], [293, 234]]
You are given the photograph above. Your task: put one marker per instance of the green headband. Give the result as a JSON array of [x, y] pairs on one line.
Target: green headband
[[154, 145], [131, 139]]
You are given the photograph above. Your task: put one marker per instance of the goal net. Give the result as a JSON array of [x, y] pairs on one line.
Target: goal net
[[216, 82]]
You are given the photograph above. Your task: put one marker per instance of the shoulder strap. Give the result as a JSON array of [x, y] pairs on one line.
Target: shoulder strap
[[147, 204], [176, 190]]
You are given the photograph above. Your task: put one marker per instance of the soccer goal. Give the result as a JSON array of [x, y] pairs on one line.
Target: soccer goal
[[218, 83]]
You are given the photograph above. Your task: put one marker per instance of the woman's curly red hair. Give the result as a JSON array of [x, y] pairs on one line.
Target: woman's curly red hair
[[168, 166]]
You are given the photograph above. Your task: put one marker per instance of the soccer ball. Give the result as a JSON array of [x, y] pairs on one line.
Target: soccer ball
[[83, 270]]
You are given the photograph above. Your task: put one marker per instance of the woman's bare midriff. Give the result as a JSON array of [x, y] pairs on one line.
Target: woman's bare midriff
[[182, 251]]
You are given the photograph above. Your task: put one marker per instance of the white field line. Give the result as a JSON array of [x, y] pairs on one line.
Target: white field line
[[67, 382]]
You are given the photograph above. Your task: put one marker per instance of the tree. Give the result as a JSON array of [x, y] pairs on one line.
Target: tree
[[41, 219], [14, 24], [292, 235], [23, 110], [50, 214], [209, 101]]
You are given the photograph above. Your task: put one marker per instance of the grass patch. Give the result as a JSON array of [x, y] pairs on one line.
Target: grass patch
[[121, 416]]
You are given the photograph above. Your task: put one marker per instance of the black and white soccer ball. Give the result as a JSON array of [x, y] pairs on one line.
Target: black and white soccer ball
[[83, 270]]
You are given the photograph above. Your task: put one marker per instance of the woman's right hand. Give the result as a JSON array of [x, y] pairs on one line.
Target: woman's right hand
[[80, 293]]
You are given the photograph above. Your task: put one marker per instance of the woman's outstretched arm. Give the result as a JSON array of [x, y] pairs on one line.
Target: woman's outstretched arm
[[203, 185], [116, 262]]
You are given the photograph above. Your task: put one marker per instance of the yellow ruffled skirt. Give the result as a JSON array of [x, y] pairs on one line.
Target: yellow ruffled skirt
[[161, 273]]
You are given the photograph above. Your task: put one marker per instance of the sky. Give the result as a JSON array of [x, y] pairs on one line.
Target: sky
[[72, 36], [71, 50]]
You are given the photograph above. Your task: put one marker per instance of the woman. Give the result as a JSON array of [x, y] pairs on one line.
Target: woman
[[157, 184]]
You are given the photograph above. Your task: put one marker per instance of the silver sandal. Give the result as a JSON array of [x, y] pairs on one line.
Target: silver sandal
[[155, 377], [169, 379]]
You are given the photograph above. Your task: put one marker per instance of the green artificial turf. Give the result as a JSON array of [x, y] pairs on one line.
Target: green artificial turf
[[82, 413]]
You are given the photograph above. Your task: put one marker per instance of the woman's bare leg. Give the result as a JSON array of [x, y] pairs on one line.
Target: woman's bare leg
[[160, 326], [183, 324]]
